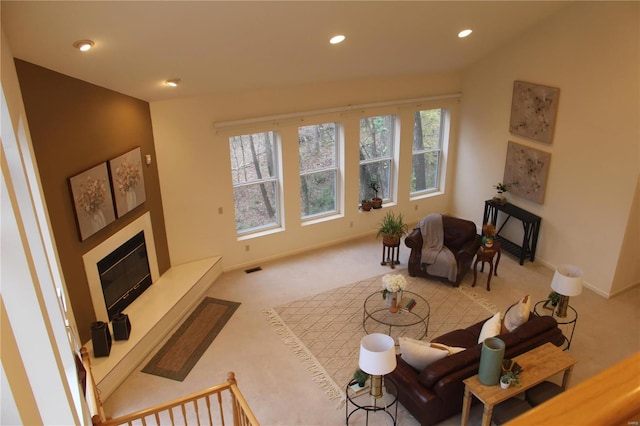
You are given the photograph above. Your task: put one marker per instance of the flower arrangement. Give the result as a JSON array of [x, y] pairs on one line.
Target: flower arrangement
[[489, 230], [127, 176], [393, 284], [92, 195]]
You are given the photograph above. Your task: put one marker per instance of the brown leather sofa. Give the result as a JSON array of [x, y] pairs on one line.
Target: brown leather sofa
[[459, 236], [436, 393]]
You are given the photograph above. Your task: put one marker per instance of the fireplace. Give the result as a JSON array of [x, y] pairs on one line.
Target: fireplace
[[121, 268], [125, 274]]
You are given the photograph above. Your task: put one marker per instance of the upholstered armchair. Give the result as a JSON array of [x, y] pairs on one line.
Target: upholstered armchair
[[460, 237]]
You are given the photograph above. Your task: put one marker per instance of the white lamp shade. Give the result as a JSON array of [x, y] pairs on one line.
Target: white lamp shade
[[377, 354], [567, 280]]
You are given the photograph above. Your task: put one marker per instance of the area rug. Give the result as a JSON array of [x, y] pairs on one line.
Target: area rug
[[185, 347], [325, 330]]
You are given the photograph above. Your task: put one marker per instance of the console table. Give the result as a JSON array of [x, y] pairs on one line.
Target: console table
[[530, 224], [537, 365]]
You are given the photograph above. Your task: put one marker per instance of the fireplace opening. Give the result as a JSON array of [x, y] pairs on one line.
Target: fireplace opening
[[124, 274]]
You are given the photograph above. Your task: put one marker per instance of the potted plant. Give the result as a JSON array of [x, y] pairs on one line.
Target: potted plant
[[510, 373], [509, 378], [552, 301], [360, 377], [376, 202], [505, 382], [392, 228], [365, 205], [501, 188]]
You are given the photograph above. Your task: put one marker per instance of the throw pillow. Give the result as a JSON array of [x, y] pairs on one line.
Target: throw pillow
[[451, 349], [517, 314], [419, 354], [490, 328]]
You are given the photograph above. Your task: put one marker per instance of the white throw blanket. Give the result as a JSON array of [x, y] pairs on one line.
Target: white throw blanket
[[440, 260]]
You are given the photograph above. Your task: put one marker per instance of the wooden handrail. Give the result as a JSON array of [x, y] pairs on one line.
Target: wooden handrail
[[611, 397], [200, 406]]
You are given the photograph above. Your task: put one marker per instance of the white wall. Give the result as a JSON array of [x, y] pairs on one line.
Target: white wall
[[195, 177], [590, 50]]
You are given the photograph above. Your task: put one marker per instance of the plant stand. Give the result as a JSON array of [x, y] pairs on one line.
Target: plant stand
[[390, 254]]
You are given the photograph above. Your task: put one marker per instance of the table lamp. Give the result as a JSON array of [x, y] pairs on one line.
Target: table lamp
[[377, 358], [567, 281]]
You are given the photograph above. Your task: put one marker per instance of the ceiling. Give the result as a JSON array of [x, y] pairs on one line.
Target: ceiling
[[223, 46]]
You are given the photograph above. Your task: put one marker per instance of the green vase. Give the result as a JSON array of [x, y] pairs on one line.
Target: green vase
[[491, 361]]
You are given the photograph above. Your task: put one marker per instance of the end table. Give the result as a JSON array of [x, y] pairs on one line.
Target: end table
[[568, 322], [363, 401], [486, 254]]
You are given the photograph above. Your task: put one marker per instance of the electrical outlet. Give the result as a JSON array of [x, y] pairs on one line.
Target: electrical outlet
[[246, 248], [416, 207], [351, 224], [219, 210]]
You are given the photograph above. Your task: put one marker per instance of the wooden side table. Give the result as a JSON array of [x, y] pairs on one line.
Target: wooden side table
[[538, 365], [486, 254], [390, 254]]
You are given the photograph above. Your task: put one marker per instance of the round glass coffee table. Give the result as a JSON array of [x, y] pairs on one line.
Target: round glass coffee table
[[412, 323]]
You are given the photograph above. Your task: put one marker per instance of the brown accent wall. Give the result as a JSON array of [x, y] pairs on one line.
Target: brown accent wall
[[74, 126]]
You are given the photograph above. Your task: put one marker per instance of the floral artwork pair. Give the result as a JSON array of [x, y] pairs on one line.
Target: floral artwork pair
[[95, 190]]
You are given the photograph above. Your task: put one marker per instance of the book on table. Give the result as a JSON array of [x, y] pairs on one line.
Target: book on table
[[411, 303]]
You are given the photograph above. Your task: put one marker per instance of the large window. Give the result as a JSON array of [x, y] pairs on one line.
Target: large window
[[427, 150], [376, 156], [318, 150], [254, 170]]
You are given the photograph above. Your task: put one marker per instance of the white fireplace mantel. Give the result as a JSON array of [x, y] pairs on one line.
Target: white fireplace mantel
[[95, 255]]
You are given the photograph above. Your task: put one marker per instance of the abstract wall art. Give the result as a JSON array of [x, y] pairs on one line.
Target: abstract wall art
[[533, 111], [525, 171]]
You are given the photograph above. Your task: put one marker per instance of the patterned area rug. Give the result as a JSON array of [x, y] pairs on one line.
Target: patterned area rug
[[325, 330], [185, 347]]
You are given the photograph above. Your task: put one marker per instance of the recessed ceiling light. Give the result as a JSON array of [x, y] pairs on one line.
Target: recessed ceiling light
[[83, 45], [172, 82], [464, 33], [337, 39]]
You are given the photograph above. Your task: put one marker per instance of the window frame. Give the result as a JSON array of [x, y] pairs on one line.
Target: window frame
[[442, 141], [336, 168], [389, 158], [276, 180]]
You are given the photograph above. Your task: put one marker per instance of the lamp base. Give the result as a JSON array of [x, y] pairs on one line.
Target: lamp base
[[563, 304], [376, 387]]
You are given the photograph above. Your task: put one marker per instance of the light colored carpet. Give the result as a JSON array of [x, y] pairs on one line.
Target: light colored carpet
[[324, 330]]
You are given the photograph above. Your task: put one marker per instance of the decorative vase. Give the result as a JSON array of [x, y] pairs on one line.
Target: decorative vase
[[491, 357], [390, 297], [130, 198], [98, 221], [500, 198], [505, 385]]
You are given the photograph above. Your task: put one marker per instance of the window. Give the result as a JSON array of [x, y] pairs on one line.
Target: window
[[254, 170], [427, 150], [318, 150], [376, 156]]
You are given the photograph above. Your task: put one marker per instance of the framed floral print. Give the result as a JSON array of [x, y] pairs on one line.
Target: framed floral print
[[127, 181], [92, 200]]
